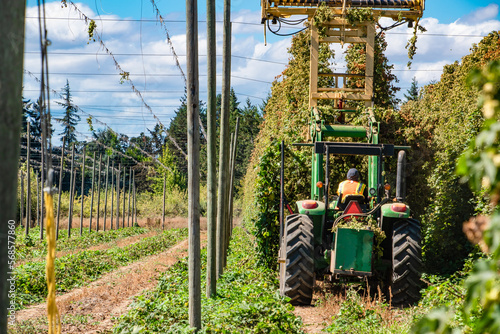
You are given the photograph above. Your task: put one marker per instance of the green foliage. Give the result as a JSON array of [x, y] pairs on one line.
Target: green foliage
[[267, 191], [31, 247], [411, 46], [76, 270], [246, 300], [439, 126], [355, 15], [173, 178], [384, 91], [151, 205], [91, 30], [481, 306], [362, 315], [412, 91]]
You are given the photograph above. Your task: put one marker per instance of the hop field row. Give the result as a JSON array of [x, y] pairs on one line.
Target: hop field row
[[76, 270]]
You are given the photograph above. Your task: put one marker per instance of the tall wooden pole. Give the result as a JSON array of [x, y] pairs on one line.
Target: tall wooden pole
[[232, 168], [11, 74], [112, 194], [61, 174], [118, 196], [72, 199], [83, 191], [37, 201], [98, 193], [193, 164], [129, 190], [211, 152], [28, 181], [42, 181], [224, 138], [164, 195], [106, 195], [21, 201], [124, 201], [135, 199], [226, 226], [71, 187], [92, 194]]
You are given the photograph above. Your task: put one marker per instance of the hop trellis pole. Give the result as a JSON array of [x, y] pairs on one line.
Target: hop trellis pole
[[82, 192]]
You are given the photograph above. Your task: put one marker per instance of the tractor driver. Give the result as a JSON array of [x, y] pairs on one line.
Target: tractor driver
[[352, 186]]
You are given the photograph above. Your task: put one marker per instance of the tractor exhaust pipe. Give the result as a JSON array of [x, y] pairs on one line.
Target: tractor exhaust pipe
[[401, 177]]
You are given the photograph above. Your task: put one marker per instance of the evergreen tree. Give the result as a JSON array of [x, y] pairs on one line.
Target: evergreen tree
[[250, 121], [413, 91], [70, 118], [31, 113], [178, 131]]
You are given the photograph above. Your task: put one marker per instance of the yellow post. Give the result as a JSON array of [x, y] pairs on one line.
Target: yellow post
[[52, 312]]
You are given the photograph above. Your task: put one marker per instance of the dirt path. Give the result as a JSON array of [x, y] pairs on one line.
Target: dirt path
[[91, 309], [319, 314], [313, 321]]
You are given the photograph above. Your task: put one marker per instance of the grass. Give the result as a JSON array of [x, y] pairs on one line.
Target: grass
[[247, 300], [78, 269]]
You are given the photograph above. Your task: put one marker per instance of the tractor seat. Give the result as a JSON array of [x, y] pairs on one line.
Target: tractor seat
[[348, 198]]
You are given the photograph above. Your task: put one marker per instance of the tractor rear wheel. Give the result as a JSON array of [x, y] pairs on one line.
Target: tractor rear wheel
[[297, 255], [406, 262]]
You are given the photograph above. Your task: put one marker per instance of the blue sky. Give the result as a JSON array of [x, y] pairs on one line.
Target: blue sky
[[140, 47]]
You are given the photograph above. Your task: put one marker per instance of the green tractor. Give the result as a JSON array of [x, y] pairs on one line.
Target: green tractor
[[326, 238], [323, 237]]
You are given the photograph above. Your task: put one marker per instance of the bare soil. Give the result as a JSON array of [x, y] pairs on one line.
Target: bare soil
[[319, 314], [92, 309], [154, 222], [329, 297]]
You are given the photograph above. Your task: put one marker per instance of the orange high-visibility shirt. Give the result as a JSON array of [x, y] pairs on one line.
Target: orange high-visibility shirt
[[350, 187]]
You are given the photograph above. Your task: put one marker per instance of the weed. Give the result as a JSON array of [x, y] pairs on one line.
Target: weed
[[247, 300]]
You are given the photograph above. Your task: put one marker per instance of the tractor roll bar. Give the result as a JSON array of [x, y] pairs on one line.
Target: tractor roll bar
[[380, 150], [354, 148]]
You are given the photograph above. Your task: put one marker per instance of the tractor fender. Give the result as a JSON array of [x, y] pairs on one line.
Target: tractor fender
[[311, 207], [395, 210]]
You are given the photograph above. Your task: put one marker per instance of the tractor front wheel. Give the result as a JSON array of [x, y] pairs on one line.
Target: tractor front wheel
[[297, 260], [406, 262]]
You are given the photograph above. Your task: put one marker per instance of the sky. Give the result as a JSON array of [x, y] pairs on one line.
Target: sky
[[130, 31]]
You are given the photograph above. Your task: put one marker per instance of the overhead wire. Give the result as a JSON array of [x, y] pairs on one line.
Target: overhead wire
[[125, 77], [171, 45], [121, 136]]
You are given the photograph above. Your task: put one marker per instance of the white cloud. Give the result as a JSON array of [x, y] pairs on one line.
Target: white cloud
[[442, 44], [482, 14]]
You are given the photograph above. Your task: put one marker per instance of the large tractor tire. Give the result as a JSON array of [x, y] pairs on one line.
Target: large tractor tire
[[297, 271], [406, 263]]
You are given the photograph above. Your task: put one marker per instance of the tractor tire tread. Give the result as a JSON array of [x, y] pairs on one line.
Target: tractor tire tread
[[297, 277], [406, 263]]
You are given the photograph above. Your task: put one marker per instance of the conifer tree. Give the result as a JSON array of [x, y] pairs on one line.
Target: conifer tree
[[70, 118], [413, 91]]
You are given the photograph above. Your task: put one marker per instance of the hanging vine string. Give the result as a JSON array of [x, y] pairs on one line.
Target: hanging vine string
[[94, 118], [171, 45], [124, 75]]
